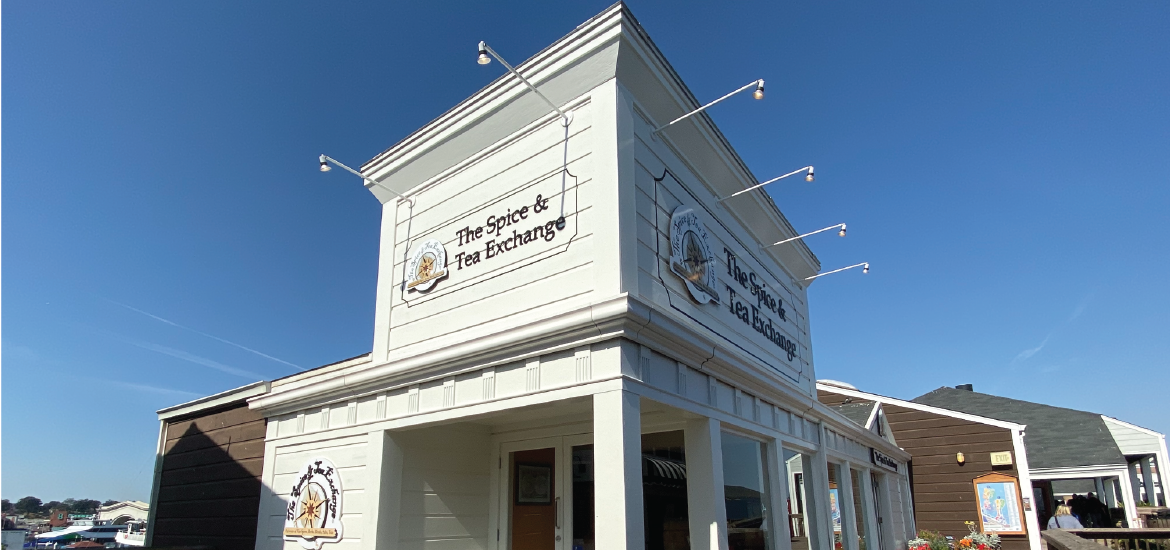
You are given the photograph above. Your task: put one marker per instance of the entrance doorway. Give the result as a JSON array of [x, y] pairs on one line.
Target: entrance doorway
[[546, 494]]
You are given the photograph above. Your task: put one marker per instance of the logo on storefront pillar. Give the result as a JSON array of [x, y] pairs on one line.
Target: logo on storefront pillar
[[691, 257], [313, 516], [427, 266]]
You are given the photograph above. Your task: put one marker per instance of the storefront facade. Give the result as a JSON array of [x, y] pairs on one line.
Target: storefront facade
[[577, 344]]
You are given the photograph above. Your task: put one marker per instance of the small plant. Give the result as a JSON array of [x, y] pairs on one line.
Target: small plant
[[978, 541], [929, 540]]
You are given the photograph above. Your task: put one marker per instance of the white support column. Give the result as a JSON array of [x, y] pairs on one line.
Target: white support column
[[816, 481], [617, 464], [1110, 484], [778, 489], [871, 514], [705, 502], [1135, 482], [1099, 484], [1148, 480], [383, 499], [1129, 499], [845, 504]]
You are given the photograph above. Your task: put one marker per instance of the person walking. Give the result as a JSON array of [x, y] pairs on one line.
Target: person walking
[[1064, 519]]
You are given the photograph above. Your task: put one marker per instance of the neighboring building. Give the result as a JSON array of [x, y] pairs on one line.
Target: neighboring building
[[1145, 450], [13, 539], [1065, 445], [577, 344], [59, 518], [123, 512], [207, 473], [943, 485]]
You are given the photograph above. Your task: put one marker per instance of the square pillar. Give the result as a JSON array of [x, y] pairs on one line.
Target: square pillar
[[1148, 480], [871, 512], [384, 499], [845, 503], [778, 489], [617, 464], [706, 507]]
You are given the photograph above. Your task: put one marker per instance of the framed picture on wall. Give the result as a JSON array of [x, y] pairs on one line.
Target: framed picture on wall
[[1000, 507], [533, 484]]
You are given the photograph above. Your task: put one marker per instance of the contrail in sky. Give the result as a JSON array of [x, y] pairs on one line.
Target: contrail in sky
[[180, 354], [201, 333]]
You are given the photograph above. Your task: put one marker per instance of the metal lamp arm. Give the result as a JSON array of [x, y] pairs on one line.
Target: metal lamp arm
[[866, 270], [331, 160], [484, 47], [759, 82], [841, 225], [759, 185]]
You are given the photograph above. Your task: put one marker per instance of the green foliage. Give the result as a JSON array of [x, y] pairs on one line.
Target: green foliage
[[7, 506], [28, 505], [929, 540]]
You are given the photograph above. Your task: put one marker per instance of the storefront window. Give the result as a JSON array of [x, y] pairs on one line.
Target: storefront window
[[745, 492], [800, 501], [664, 491], [859, 508]]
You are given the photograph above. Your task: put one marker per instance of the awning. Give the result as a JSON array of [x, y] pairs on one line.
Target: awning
[[663, 467]]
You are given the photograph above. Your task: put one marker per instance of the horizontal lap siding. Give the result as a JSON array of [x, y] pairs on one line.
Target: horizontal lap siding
[[527, 282], [943, 495], [209, 491]]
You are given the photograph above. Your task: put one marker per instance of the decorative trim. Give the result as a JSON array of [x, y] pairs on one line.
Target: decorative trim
[[583, 363], [412, 399], [489, 384], [449, 392], [381, 409], [351, 414], [532, 374]]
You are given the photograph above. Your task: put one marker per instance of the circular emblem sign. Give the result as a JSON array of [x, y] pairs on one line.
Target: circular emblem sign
[[314, 508], [427, 265], [691, 257]]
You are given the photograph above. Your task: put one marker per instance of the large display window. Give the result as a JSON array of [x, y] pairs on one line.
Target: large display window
[[745, 492]]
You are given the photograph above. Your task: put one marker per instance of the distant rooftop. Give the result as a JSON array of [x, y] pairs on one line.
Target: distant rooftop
[[1056, 437]]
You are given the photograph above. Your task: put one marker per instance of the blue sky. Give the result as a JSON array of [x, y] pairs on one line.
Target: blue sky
[[166, 235]]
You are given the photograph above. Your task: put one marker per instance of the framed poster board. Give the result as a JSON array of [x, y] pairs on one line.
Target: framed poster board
[[533, 484], [835, 507], [1000, 507]]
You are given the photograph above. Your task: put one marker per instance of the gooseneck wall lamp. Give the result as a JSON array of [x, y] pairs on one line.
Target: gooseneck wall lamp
[[758, 94], [808, 177], [326, 160], [798, 237], [485, 51], [864, 265]]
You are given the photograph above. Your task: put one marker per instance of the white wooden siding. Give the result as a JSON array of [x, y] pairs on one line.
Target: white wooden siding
[[507, 290]]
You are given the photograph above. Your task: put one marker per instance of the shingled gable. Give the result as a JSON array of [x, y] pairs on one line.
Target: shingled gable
[[1056, 437]]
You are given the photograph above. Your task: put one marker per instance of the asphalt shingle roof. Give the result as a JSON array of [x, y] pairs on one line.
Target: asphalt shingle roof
[[1055, 437], [857, 412]]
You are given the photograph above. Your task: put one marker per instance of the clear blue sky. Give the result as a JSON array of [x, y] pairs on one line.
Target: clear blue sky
[[1003, 165]]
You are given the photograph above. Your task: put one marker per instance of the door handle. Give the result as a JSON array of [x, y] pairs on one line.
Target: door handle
[[558, 517]]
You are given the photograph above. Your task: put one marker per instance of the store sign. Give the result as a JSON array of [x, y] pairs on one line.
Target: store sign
[[1003, 458], [883, 460], [691, 257], [493, 235], [427, 265], [313, 517], [750, 300]]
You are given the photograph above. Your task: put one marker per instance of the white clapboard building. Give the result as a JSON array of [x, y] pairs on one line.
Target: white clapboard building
[[577, 345]]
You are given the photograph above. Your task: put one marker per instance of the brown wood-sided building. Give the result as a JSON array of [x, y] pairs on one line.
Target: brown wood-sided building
[[942, 486], [207, 473]]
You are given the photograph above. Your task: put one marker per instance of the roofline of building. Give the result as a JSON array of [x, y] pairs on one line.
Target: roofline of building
[[216, 400], [920, 407], [1108, 418]]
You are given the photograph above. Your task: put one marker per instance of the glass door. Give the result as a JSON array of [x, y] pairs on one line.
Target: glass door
[[546, 494]]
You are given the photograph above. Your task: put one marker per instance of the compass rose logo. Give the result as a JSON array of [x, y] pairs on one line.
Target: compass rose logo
[[314, 509], [691, 257]]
